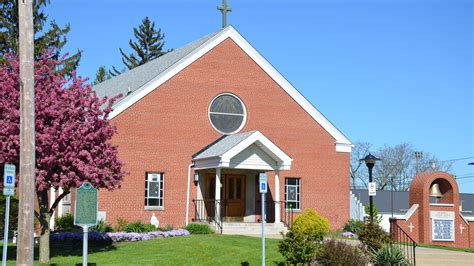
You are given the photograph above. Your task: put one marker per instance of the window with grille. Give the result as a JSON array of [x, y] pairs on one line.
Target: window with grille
[[293, 193], [154, 189]]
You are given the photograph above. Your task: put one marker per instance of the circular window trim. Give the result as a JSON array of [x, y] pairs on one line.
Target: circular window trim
[[244, 120]]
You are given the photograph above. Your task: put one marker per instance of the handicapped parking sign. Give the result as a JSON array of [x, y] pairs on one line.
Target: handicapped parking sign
[[263, 183], [9, 180]]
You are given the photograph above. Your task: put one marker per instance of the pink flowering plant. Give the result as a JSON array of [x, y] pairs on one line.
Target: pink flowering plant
[[72, 130]]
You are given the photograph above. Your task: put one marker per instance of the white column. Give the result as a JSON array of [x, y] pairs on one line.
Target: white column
[[218, 195], [277, 197], [60, 205], [52, 198]]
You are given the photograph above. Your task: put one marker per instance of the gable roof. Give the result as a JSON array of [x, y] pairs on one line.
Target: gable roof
[[148, 77], [221, 145], [221, 152], [135, 78]]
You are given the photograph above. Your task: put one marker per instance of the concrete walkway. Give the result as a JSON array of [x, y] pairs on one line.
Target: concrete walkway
[[434, 256]]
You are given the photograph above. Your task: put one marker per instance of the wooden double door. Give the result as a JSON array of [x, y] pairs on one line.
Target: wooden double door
[[232, 193]]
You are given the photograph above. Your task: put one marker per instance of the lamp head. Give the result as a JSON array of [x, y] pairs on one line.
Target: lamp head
[[369, 160]]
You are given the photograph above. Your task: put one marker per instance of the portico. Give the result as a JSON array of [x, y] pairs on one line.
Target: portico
[[227, 172]]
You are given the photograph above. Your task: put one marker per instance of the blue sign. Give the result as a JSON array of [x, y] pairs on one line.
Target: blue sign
[[263, 182], [9, 180]]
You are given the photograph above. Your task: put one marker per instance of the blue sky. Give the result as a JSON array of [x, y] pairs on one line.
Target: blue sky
[[382, 71]]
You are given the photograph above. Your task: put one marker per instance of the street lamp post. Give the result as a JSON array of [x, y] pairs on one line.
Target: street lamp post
[[370, 162]]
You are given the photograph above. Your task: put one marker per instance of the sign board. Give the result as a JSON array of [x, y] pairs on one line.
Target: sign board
[[443, 230], [9, 180], [372, 189], [442, 225], [263, 183], [86, 205]]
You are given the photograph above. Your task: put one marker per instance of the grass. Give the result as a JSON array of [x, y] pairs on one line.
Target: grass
[[191, 250], [471, 250]]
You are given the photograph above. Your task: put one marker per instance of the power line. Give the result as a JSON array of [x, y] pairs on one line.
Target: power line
[[458, 159]]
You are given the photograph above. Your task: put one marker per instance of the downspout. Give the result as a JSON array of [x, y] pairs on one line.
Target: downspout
[[187, 193]]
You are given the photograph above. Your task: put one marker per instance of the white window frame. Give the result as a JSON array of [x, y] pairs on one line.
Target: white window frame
[[161, 190], [298, 193], [244, 115]]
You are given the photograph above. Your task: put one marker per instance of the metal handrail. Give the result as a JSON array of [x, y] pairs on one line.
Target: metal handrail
[[404, 241]]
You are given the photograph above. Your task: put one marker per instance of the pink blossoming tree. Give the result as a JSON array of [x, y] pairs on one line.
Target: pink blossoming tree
[[72, 135]]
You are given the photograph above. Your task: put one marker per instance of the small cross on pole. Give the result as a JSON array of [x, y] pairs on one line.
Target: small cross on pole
[[224, 8], [461, 228], [411, 226]]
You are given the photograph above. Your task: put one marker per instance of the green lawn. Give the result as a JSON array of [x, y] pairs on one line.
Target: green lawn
[[470, 250], [190, 250]]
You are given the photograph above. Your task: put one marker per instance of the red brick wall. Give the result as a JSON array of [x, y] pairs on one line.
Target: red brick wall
[[161, 132], [419, 194]]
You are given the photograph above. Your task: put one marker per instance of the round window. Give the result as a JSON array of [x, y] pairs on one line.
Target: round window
[[227, 113]]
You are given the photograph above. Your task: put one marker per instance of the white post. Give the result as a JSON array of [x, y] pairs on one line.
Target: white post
[[217, 210], [52, 198], [5, 233], [277, 197], [60, 205], [84, 245]]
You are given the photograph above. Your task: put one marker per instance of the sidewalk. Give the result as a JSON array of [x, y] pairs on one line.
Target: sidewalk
[[433, 256]]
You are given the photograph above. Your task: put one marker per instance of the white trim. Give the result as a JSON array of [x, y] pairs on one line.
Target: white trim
[[342, 143], [442, 204], [244, 120], [411, 211], [282, 159]]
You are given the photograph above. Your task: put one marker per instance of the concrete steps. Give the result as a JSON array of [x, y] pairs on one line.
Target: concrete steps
[[239, 228]]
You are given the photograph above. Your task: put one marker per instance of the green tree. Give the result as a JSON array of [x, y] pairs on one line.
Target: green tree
[[147, 47], [375, 210], [46, 38], [101, 75]]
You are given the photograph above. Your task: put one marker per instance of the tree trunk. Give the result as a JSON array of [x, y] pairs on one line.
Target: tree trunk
[[44, 218]]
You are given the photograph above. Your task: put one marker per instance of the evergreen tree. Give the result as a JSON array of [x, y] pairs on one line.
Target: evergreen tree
[[46, 38], [148, 46], [101, 75]]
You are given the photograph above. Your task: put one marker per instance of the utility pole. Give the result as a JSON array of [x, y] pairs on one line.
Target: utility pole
[[25, 246]]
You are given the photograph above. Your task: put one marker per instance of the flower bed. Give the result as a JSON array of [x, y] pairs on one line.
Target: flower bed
[[74, 239]]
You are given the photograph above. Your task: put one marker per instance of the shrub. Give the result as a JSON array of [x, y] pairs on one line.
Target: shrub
[[169, 227], [334, 252], [199, 229], [13, 224], [139, 227], [373, 236], [65, 223], [389, 255], [375, 212], [121, 223], [102, 227], [354, 226], [297, 248], [312, 224]]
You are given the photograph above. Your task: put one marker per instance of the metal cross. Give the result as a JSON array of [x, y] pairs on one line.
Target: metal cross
[[461, 228], [224, 8], [411, 226]]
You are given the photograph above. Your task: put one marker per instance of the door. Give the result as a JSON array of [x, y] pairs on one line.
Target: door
[[235, 195]]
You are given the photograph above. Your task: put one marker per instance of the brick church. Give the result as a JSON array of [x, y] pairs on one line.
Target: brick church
[[199, 124]]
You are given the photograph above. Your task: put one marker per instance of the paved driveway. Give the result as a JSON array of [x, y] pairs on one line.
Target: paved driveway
[[433, 256]]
